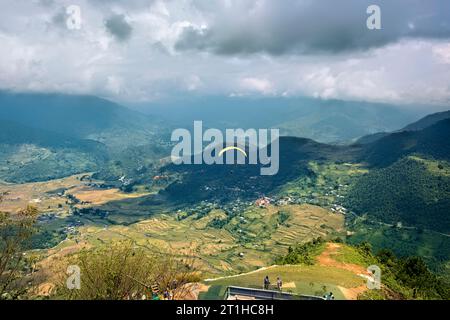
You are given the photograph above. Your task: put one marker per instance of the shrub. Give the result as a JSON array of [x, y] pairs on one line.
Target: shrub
[[122, 271]]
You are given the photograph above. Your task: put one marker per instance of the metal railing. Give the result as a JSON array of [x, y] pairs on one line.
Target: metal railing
[[261, 294]]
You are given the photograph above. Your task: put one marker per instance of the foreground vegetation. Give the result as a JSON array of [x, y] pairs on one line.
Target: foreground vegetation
[[297, 279], [15, 232], [402, 278], [123, 271]]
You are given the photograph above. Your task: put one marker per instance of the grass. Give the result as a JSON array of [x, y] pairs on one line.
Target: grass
[[308, 280], [349, 254], [438, 168]]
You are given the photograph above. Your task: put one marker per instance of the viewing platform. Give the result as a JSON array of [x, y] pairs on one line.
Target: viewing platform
[[240, 293]]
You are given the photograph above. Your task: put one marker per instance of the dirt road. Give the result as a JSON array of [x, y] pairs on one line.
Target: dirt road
[[326, 258]]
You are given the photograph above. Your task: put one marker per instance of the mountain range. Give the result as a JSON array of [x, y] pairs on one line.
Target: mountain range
[[59, 124], [44, 136], [82, 117], [422, 123], [326, 121]]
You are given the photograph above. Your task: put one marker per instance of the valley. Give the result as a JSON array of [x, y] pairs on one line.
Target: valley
[[225, 237], [93, 188], [250, 239]]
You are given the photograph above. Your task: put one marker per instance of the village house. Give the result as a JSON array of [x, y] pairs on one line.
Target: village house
[[262, 202]]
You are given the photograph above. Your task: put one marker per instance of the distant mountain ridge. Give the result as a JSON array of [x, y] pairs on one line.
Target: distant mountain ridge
[[325, 121], [432, 141], [421, 124], [82, 117], [30, 154], [47, 136], [427, 121], [13, 133]]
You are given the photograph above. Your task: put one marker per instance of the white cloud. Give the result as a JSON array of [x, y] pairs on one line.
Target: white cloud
[[442, 53], [251, 84], [160, 8], [39, 54], [114, 84], [193, 83]]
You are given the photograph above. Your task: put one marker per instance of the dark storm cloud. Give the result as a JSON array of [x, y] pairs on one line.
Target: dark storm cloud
[[305, 26], [60, 18], [119, 27], [34, 35]]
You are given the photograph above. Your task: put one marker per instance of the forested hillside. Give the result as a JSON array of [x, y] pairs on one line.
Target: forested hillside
[[430, 142], [413, 191]]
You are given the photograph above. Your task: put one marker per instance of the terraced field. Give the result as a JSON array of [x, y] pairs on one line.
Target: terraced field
[[248, 242], [50, 196], [99, 197], [43, 195]]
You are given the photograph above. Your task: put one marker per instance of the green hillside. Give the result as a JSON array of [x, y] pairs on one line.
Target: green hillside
[[431, 142], [337, 268], [227, 183], [403, 201], [413, 191], [427, 121], [82, 117], [29, 154]]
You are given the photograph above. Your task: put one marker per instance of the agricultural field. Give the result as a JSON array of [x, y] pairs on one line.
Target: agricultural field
[[237, 247], [326, 185], [91, 196], [59, 194], [80, 209], [73, 211], [46, 196]]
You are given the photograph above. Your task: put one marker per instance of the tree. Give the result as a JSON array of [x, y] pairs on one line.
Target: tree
[[365, 248], [122, 271], [415, 273], [15, 231], [387, 257]]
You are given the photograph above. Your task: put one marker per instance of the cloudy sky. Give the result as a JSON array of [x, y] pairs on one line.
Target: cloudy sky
[[148, 50]]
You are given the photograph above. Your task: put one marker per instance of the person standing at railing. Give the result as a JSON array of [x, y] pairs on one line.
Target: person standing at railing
[[266, 283], [279, 284]]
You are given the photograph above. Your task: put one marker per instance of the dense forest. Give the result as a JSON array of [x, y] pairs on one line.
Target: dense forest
[[413, 191]]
